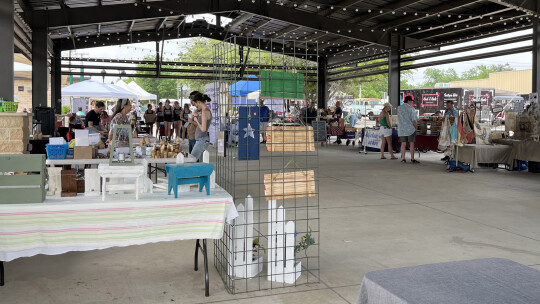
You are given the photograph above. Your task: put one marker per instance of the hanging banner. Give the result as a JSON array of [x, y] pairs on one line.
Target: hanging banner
[[212, 90]]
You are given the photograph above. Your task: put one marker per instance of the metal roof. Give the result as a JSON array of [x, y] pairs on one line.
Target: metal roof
[[333, 27]]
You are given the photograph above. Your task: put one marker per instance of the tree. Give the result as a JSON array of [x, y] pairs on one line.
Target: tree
[[482, 71], [433, 76], [162, 87]]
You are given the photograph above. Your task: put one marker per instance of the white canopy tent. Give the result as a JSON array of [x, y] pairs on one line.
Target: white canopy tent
[[125, 86], [90, 88], [141, 93]]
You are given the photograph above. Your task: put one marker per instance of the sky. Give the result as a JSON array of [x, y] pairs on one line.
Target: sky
[[173, 47]]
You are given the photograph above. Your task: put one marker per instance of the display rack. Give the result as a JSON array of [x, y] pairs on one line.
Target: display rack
[[277, 186]]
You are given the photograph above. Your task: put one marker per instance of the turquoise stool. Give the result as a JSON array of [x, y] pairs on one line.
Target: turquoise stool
[[187, 174]]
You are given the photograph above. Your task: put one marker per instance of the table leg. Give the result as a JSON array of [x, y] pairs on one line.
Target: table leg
[[1, 273], [137, 188], [206, 276], [103, 187], [197, 245]]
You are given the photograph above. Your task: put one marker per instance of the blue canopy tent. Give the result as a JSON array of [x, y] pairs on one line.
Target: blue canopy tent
[[241, 89]]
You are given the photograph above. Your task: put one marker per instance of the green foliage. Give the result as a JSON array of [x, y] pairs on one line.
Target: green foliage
[[305, 241], [257, 246], [66, 109], [162, 87], [482, 71], [433, 76]]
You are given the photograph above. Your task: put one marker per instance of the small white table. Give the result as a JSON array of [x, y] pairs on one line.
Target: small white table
[[122, 172]]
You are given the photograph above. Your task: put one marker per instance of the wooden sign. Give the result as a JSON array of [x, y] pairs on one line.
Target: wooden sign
[[289, 185], [289, 139]]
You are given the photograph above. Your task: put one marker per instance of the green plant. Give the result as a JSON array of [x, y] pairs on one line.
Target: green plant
[[66, 109], [306, 241], [257, 245]]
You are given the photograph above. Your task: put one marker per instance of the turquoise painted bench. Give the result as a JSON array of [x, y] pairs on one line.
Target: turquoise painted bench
[[187, 174]]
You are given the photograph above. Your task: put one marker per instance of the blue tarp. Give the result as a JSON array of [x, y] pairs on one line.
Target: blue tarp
[[244, 87]]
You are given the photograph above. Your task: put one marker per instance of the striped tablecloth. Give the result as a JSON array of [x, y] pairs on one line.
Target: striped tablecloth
[[60, 225]]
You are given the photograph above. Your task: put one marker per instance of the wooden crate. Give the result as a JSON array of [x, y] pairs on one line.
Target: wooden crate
[[22, 188], [289, 185], [289, 139]]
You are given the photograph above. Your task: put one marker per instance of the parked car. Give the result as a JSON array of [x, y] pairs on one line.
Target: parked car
[[370, 108]]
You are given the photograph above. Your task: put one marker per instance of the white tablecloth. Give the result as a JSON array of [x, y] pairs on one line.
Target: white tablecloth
[[482, 281], [60, 225], [97, 161]]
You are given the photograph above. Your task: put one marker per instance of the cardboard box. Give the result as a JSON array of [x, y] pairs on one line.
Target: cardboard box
[[84, 152]]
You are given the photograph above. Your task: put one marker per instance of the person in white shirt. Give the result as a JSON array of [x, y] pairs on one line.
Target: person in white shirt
[[110, 108]]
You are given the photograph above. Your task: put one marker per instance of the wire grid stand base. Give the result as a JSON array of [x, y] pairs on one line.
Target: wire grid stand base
[[280, 211]]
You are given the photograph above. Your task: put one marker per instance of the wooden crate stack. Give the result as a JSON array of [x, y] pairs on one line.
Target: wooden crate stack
[[27, 185]]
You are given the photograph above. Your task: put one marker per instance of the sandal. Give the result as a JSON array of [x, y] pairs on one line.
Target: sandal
[[383, 157], [404, 161], [393, 158], [414, 161]]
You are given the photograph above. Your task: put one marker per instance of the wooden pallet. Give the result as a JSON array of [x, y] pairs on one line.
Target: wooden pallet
[[289, 185], [289, 139]]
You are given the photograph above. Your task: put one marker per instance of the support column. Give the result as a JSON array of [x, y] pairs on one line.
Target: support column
[[394, 71], [322, 82], [536, 56], [40, 72], [6, 49], [56, 79]]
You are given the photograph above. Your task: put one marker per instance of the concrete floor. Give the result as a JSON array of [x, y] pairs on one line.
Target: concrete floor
[[375, 214]]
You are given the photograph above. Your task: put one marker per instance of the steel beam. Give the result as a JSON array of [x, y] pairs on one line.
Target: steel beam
[[322, 83], [284, 31], [56, 79], [359, 68], [212, 33], [112, 13], [454, 4], [394, 70], [40, 71], [530, 5], [6, 49], [523, 49], [345, 3], [468, 24], [536, 56], [469, 48], [385, 10], [174, 63], [371, 73], [239, 20], [210, 78]]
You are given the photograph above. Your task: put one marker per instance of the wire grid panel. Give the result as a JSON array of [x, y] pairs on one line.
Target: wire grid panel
[[282, 226]]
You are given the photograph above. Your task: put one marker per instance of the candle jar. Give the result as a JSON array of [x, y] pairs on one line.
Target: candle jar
[[121, 157]]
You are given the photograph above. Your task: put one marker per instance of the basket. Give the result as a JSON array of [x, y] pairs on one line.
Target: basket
[[10, 106], [57, 151]]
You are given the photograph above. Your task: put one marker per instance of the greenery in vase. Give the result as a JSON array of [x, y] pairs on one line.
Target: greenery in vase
[[306, 241], [257, 246]]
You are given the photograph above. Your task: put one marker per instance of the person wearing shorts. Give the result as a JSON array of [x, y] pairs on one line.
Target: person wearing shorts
[[407, 125], [386, 130], [168, 118]]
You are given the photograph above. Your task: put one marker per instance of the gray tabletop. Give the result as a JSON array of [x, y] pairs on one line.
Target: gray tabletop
[[489, 281]]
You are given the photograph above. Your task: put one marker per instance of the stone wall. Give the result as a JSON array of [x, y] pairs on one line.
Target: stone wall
[[14, 133]]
